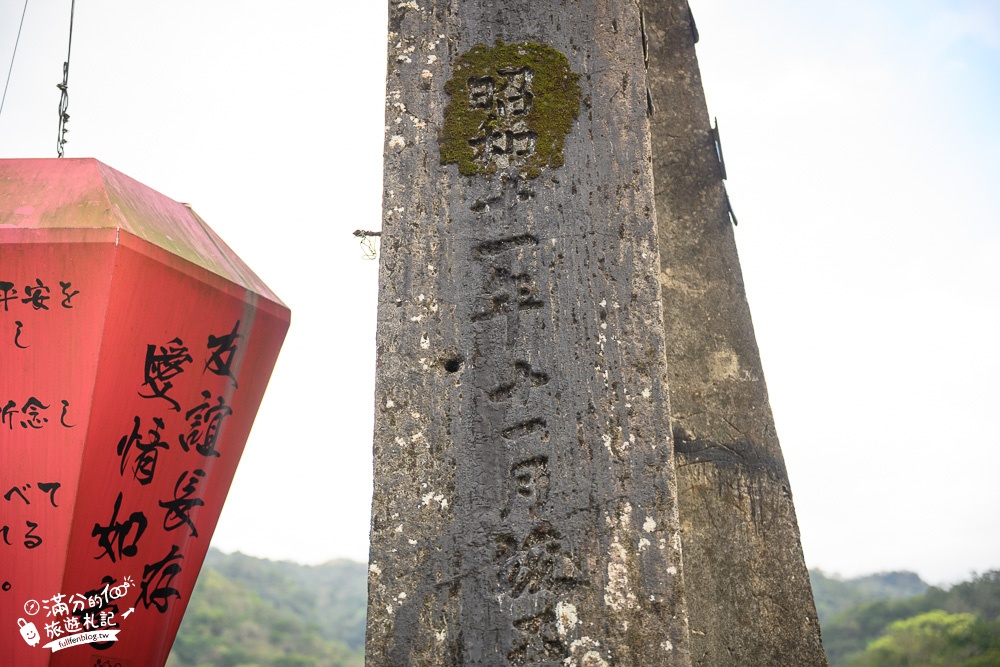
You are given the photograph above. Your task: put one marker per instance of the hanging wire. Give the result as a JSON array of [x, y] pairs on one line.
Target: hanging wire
[[14, 55], [64, 87], [368, 245]]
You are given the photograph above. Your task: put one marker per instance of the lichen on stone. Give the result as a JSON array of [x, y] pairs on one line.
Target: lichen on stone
[[511, 107]]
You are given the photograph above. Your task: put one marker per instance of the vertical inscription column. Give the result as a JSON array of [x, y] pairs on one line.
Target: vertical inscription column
[[524, 506]]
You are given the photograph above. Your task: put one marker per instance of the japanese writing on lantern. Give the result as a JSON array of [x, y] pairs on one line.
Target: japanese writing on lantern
[[41, 493], [44, 490], [223, 349], [165, 362], [120, 537], [30, 540], [142, 460], [28, 296], [181, 422], [156, 589], [33, 414], [140, 449], [36, 295], [204, 421], [164, 365], [179, 508]]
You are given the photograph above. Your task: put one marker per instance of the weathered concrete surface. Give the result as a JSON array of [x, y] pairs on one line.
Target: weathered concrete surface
[[524, 505], [747, 587]]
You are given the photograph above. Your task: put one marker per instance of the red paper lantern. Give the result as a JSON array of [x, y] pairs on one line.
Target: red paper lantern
[[135, 347]]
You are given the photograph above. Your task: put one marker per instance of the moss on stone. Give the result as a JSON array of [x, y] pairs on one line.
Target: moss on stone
[[554, 106]]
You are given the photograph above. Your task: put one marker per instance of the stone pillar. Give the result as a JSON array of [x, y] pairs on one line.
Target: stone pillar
[[748, 591], [524, 506]]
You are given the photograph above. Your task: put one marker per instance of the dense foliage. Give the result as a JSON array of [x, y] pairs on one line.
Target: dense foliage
[[834, 594], [247, 612], [959, 627]]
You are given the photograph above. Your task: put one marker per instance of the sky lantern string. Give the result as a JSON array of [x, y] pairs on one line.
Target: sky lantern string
[[13, 56], [64, 87]]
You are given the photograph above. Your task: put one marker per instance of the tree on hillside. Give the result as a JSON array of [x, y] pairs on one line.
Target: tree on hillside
[[848, 633], [934, 639]]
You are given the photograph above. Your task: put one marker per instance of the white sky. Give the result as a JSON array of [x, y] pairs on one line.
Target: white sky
[[861, 145]]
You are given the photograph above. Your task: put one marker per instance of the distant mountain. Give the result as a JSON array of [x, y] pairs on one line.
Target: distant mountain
[[249, 612], [958, 627], [333, 595], [834, 594]]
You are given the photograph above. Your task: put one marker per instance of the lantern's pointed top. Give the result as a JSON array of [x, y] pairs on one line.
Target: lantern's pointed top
[[86, 194]]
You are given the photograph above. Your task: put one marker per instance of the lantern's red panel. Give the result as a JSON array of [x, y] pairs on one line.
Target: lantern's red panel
[[135, 348]]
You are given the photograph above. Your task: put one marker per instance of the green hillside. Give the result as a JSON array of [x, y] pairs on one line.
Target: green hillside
[[249, 612], [834, 594], [958, 627]]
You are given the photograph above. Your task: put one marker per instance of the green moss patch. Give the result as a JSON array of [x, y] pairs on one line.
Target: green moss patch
[[511, 106]]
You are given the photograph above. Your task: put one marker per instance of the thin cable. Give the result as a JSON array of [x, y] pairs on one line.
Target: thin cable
[[64, 87], [14, 55]]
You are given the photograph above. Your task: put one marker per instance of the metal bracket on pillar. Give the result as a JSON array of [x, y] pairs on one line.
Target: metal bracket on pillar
[[718, 148], [729, 206]]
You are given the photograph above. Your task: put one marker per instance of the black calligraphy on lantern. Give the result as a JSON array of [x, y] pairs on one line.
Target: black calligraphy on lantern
[[24, 494], [179, 509], [62, 417], [162, 365], [7, 414], [146, 451], [7, 287], [222, 350], [32, 414], [204, 424], [49, 488], [120, 539], [10, 494], [156, 589], [36, 295], [17, 336], [67, 295], [30, 540], [32, 411]]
